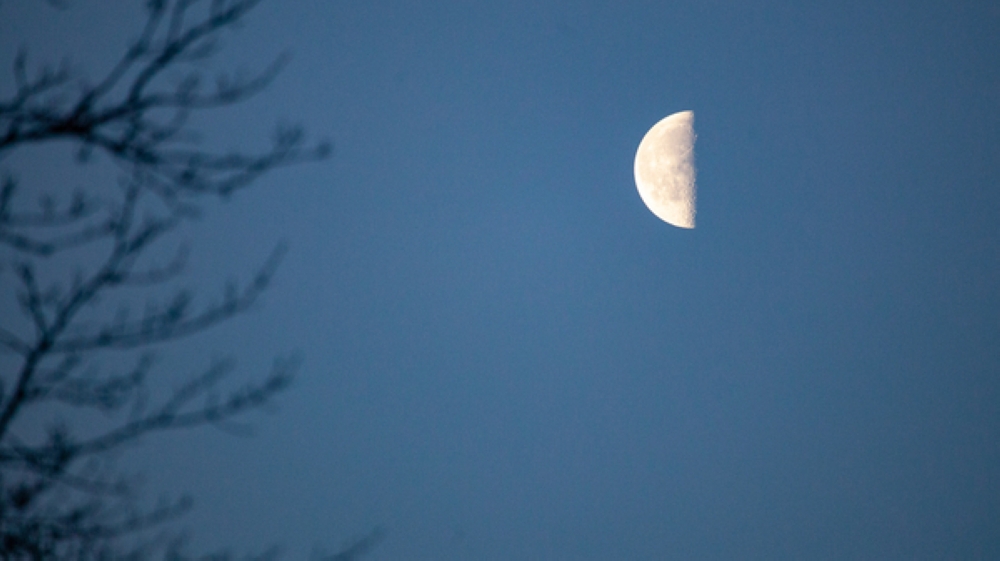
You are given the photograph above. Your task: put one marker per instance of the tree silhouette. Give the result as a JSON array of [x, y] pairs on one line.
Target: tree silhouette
[[60, 495]]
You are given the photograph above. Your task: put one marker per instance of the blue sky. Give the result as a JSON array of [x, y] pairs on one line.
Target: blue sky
[[507, 356]]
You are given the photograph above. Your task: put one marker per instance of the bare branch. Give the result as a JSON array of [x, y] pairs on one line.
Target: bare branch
[[31, 299], [77, 210], [46, 248], [173, 323], [359, 547], [106, 394], [172, 415], [13, 343], [158, 275], [14, 227]]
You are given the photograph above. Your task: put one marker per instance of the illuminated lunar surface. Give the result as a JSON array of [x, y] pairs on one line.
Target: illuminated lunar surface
[[664, 169]]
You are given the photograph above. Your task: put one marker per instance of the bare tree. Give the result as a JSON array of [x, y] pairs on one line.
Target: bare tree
[[60, 495]]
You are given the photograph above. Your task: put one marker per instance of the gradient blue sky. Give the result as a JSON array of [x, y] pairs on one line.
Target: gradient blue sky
[[506, 356]]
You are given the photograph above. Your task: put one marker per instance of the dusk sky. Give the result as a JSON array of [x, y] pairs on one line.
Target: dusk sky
[[506, 355]]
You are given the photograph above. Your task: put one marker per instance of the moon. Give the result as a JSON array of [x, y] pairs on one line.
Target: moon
[[664, 169]]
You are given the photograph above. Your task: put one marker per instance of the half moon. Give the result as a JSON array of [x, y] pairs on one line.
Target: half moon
[[664, 169]]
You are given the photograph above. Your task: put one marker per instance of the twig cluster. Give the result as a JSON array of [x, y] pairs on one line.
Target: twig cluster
[[59, 497]]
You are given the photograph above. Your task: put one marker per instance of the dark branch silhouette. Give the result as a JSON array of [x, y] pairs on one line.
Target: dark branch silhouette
[[60, 496]]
